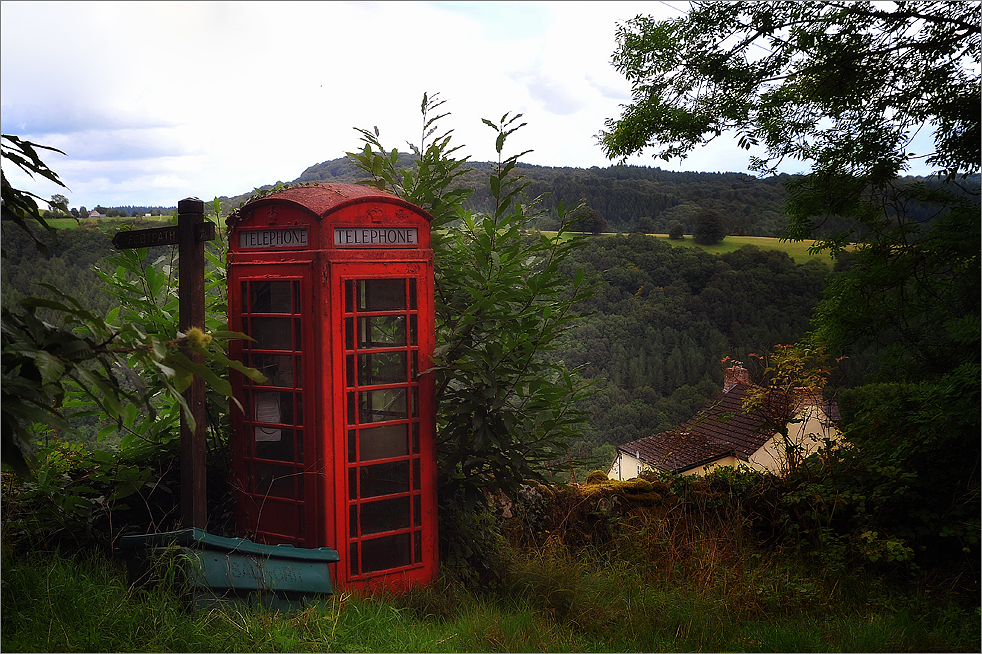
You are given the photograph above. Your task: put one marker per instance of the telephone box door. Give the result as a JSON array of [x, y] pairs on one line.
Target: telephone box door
[[389, 478]]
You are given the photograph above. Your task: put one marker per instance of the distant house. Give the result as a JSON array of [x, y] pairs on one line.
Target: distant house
[[723, 434], [95, 214]]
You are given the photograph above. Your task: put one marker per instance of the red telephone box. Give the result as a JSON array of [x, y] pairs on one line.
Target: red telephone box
[[337, 447]]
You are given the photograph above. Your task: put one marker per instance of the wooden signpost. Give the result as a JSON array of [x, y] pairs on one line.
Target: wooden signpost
[[189, 236]]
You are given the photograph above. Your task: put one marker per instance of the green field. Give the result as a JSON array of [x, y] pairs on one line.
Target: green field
[[796, 250]]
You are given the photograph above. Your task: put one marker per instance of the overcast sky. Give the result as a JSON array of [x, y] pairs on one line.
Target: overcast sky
[[155, 102]]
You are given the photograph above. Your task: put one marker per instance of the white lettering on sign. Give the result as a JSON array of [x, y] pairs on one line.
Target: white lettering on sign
[[361, 236], [273, 238]]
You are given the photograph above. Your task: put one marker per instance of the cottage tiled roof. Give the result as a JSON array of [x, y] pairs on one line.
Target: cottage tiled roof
[[720, 429]]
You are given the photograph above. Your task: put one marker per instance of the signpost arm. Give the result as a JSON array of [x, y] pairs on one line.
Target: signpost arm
[[191, 287]]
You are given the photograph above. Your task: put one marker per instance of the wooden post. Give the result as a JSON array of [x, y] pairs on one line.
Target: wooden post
[[191, 287]]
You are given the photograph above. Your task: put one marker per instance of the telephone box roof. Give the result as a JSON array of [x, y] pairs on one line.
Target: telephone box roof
[[324, 198]]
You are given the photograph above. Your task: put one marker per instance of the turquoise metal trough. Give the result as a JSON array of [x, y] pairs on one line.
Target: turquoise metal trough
[[218, 569]]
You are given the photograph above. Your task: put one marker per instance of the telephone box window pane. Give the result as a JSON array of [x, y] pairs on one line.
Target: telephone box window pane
[[415, 438], [351, 409], [353, 521], [385, 479], [353, 557], [349, 333], [278, 450], [417, 510], [353, 484], [381, 331], [412, 294], [381, 368], [383, 404], [381, 294], [276, 481], [271, 334], [412, 329], [384, 515], [276, 408], [417, 546], [384, 553], [272, 297], [416, 476], [386, 442], [277, 368], [349, 370], [352, 446]]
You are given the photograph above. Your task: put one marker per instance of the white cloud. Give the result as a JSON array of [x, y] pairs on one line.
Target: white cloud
[[156, 101]]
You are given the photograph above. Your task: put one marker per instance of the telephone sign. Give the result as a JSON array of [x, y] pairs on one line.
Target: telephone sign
[[336, 448]]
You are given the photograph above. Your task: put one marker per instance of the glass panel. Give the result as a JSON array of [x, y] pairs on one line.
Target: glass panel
[[381, 368], [416, 474], [412, 294], [382, 294], [278, 368], [352, 447], [353, 521], [353, 484], [415, 438], [349, 370], [270, 334], [349, 304], [417, 546], [271, 297], [278, 450], [383, 404], [412, 329], [381, 331], [274, 480], [384, 515], [417, 510], [349, 333], [384, 553], [353, 557], [383, 442], [385, 479], [276, 408], [351, 408]]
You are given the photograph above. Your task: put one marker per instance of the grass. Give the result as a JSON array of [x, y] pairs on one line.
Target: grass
[[796, 250], [550, 600]]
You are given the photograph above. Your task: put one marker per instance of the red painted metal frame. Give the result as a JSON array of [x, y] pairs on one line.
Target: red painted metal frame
[[321, 269]]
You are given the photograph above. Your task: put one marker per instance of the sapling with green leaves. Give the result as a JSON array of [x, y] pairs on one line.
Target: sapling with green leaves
[[506, 412]]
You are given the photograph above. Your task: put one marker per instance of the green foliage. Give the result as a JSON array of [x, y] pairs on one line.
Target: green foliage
[[709, 228], [505, 410], [20, 206], [677, 232], [770, 71], [911, 290], [71, 497]]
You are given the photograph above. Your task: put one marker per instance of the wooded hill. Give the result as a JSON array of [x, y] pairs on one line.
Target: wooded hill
[[624, 195], [629, 198]]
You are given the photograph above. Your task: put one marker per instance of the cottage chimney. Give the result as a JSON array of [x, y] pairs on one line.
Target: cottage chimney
[[735, 375]]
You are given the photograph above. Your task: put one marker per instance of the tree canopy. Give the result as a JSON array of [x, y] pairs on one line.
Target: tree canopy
[[846, 85]]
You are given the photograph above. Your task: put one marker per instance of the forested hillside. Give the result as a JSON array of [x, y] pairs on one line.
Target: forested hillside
[[70, 266], [624, 195]]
